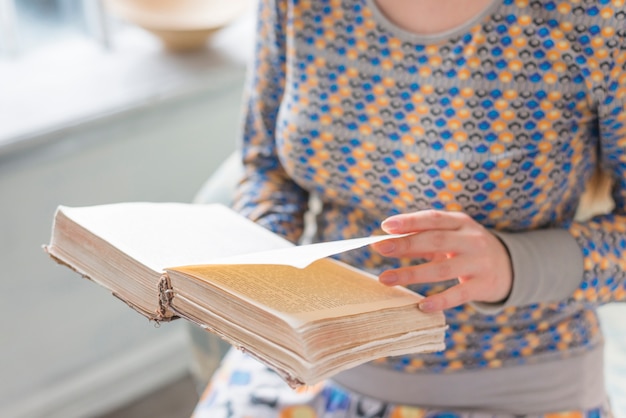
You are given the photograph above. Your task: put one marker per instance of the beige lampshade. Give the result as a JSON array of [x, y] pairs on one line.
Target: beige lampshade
[[180, 24]]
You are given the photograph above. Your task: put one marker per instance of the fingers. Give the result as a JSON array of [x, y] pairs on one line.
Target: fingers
[[423, 220], [434, 271], [426, 244], [457, 247], [451, 297]]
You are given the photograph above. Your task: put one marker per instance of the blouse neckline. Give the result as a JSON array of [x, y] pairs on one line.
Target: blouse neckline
[[434, 37]]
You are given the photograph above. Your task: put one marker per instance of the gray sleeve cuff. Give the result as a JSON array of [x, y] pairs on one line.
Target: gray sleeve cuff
[[547, 266]]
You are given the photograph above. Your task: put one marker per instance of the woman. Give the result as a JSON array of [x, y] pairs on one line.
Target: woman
[[476, 126]]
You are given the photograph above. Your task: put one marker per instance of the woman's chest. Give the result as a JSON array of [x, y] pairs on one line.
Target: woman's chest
[[484, 122]]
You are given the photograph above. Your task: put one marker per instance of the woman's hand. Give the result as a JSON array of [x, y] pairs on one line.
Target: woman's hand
[[456, 247]]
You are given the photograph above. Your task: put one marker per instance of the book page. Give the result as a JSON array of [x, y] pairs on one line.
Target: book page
[[324, 289], [159, 235], [303, 255]]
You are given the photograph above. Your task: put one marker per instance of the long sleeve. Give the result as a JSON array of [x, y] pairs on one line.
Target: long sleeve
[[266, 194], [587, 260], [603, 238]]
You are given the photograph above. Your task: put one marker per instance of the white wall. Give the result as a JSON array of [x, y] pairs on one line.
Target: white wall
[[62, 336]]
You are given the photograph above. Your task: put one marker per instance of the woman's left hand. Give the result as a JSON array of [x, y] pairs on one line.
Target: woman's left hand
[[456, 247]]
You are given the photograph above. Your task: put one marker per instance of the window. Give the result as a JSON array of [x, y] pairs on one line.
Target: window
[[26, 25], [57, 71]]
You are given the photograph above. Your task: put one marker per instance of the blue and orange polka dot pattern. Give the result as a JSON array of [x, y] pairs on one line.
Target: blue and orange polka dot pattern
[[505, 120]]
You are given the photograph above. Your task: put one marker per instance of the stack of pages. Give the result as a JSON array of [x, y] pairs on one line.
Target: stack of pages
[[303, 314]]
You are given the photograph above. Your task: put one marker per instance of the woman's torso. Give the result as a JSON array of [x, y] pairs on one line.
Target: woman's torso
[[496, 119]]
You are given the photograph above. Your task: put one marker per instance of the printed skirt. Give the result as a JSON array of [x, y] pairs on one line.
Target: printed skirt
[[244, 388]]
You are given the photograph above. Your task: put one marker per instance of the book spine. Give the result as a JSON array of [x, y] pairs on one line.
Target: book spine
[[166, 294]]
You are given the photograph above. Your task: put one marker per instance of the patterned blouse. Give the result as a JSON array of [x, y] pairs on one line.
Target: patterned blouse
[[504, 119]]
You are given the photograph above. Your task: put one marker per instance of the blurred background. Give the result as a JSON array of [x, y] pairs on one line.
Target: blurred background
[[95, 108], [110, 101]]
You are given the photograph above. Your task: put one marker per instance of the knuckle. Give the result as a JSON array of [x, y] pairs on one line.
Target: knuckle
[[415, 245], [402, 245], [436, 217], [435, 214], [462, 216], [410, 276]]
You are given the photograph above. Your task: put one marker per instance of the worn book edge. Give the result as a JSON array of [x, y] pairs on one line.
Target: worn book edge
[[293, 379], [296, 256], [164, 291]]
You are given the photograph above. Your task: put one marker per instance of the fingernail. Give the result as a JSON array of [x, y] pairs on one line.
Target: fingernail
[[426, 306], [389, 278], [390, 225], [385, 246]]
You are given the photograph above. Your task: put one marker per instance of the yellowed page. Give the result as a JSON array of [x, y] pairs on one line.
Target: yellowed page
[[325, 289]]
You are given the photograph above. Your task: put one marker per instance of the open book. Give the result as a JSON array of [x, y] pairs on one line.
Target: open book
[[304, 314]]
